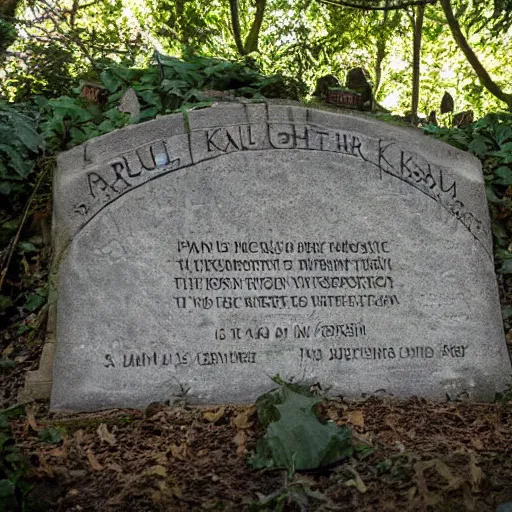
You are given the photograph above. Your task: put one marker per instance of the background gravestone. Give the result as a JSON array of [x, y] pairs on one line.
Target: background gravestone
[[201, 256]]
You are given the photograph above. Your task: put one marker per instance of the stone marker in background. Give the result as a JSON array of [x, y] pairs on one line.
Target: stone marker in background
[[201, 256]]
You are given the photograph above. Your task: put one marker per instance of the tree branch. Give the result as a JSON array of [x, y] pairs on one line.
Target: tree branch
[[416, 61], [365, 7], [483, 76]]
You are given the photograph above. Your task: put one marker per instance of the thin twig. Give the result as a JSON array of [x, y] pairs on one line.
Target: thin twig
[[16, 239]]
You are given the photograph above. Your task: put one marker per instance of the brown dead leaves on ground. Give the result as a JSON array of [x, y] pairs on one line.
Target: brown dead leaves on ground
[[423, 456]]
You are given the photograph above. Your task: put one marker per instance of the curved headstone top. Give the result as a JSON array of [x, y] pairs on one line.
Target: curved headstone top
[[201, 255]]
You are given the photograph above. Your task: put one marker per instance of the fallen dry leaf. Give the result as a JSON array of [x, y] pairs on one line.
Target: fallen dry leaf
[[179, 452], [31, 420], [115, 467], [240, 439], [454, 482], [214, 416], [93, 461], [79, 437], [477, 475], [243, 420], [356, 418], [165, 493], [157, 470], [105, 435], [60, 452], [477, 444], [45, 468], [6, 352]]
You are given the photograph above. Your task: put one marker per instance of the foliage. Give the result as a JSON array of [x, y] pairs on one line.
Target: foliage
[[20, 143], [490, 139], [14, 488], [52, 435], [62, 39], [295, 438], [169, 86]]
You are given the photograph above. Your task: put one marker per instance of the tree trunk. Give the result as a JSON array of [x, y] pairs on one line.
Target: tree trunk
[[7, 12], [381, 54], [416, 61], [483, 76], [235, 23], [251, 41]]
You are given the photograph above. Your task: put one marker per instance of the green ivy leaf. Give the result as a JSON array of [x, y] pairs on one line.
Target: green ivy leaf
[[503, 132], [297, 440], [22, 329], [110, 81], [505, 152], [52, 435], [5, 302], [26, 133], [491, 195], [478, 145], [34, 301], [6, 364], [66, 106], [504, 174], [506, 267], [27, 247]]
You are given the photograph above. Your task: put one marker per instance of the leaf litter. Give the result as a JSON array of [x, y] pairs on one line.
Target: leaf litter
[[422, 457]]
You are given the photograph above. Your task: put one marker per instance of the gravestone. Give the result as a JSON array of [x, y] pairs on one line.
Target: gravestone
[[199, 256]]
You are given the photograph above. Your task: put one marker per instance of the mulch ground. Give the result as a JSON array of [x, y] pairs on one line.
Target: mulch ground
[[424, 456]]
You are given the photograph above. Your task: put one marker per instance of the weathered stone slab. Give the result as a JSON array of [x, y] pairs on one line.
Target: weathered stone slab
[[200, 256]]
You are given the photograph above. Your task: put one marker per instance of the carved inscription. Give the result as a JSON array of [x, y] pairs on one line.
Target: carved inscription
[[128, 171], [273, 275], [300, 274]]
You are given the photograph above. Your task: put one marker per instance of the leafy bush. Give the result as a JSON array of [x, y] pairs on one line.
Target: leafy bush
[[14, 488], [170, 85], [20, 143]]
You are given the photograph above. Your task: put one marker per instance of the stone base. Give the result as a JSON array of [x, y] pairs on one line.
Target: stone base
[[38, 383]]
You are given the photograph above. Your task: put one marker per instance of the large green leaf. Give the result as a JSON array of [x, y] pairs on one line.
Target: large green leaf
[[34, 301], [66, 106], [25, 130], [505, 152], [478, 145], [298, 440], [504, 175], [506, 268]]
